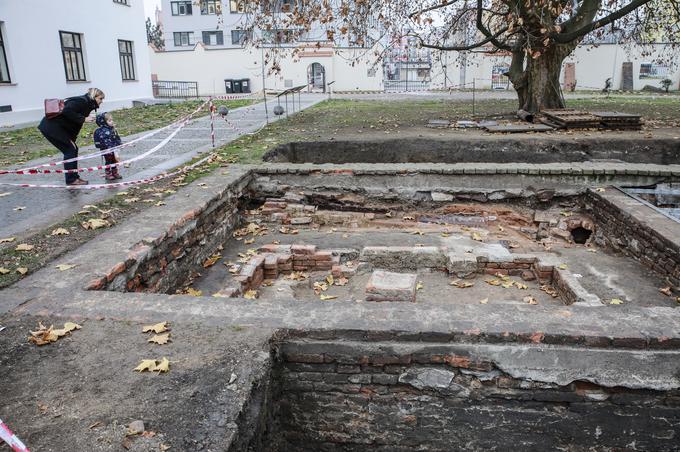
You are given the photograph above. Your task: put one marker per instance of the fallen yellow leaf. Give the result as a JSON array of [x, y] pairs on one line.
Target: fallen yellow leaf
[[64, 267], [341, 281], [530, 299], [7, 240], [484, 301], [327, 297], [476, 236], [146, 364], [330, 280], [157, 328], [563, 266], [22, 270], [163, 366], [193, 292], [24, 247], [95, 223], [461, 284], [60, 231], [493, 282], [419, 286], [616, 301], [4, 271], [209, 262], [250, 294], [160, 339]]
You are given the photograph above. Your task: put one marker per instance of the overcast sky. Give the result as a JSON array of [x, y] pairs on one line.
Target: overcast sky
[[150, 7]]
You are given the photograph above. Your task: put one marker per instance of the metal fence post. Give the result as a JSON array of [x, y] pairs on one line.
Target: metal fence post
[[474, 88]]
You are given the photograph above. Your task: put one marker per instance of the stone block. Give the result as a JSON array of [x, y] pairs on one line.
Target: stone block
[[404, 257], [387, 286], [300, 220], [441, 197], [303, 249], [461, 264]]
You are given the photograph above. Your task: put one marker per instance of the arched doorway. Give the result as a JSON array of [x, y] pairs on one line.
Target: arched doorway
[[316, 77]]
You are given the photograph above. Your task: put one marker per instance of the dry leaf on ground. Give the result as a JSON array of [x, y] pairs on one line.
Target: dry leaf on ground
[[7, 240], [616, 301], [330, 280], [164, 365], [158, 328], [24, 247], [60, 231], [146, 364], [193, 292], [484, 301], [327, 297], [160, 339], [22, 270], [419, 286], [666, 291], [95, 223], [209, 262], [64, 267], [250, 294], [341, 281], [461, 284], [530, 299], [4, 271]]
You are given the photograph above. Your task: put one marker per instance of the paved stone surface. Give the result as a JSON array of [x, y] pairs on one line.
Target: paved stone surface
[[46, 206]]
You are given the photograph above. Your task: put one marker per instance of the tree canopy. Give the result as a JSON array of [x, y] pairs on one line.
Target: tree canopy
[[538, 34]]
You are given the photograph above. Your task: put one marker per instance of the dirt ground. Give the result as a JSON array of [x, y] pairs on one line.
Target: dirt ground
[[81, 392]]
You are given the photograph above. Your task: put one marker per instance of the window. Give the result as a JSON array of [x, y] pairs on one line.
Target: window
[[277, 6], [121, 2], [213, 38], [72, 50], [211, 7], [4, 67], [239, 37], [180, 8], [183, 38], [237, 6], [649, 70], [127, 62], [277, 36]]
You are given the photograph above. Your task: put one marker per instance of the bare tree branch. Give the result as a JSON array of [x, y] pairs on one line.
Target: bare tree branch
[[467, 47], [485, 31], [432, 8], [566, 37]]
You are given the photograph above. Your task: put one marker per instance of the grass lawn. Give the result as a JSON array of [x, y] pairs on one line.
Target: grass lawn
[[19, 146], [354, 119]]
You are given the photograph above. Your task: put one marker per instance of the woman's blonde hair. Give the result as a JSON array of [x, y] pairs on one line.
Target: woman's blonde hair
[[94, 92]]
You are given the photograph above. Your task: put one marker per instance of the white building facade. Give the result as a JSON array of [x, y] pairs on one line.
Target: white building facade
[[60, 48]]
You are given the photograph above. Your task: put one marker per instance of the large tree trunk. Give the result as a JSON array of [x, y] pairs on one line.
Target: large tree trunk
[[538, 82]]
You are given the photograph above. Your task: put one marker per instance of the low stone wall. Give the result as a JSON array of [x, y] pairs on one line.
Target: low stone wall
[[639, 231], [163, 263], [356, 396]]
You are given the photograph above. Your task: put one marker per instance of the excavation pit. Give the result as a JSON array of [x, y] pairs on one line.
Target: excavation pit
[[575, 344]]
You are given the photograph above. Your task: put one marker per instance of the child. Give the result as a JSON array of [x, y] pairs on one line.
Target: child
[[106, 137]]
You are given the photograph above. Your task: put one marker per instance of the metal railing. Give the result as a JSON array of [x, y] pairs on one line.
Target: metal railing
[[174, 89], [406, 85]]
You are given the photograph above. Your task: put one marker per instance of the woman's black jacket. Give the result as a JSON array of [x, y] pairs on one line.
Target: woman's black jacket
[[67, 125]]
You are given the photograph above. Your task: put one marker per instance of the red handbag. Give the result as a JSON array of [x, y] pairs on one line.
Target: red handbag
[[53, 107]]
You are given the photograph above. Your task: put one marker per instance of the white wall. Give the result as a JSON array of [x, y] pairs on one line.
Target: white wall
[[594, 64], [31, 28], [209, 67]]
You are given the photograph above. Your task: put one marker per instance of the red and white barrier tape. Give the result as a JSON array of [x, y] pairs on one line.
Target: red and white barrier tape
[[234, 97], [112, 165], [116, 184], [11, 439], [36, 169], [212, 121]]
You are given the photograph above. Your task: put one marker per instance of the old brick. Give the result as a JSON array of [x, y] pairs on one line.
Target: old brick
[[303, 249]]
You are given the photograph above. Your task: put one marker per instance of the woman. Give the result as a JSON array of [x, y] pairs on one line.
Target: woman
[[62, 131]]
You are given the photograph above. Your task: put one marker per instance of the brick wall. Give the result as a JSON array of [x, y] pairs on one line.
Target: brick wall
[[334, 396], [163, 263], [638, 231]]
